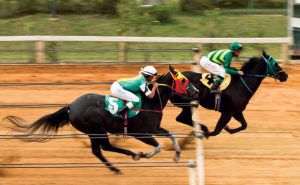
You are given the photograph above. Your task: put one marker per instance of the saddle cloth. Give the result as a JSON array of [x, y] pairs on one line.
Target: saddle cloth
[[113, 104], [208, 80]]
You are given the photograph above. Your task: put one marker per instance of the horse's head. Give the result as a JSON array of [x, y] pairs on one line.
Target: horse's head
[[179, 83], [182, 84], [273, 68]]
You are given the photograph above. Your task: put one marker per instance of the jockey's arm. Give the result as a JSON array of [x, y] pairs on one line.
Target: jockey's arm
[[149, 93], [228, 69], [152, 94]]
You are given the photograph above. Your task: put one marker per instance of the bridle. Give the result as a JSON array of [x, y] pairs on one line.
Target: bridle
[[178, 85], [270, 72]]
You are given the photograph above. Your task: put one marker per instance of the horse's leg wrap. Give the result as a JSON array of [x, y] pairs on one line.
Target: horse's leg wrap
[[176, 147], [155, 151]]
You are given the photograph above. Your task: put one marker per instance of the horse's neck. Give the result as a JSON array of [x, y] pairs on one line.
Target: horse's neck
[[162, 95], [164, 90], [254, 82]]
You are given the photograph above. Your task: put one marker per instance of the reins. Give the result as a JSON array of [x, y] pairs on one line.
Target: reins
[[161, 108], [270, 72], [172, 88]]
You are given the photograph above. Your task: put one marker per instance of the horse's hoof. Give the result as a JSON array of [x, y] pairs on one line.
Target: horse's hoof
[[137, 157], [177, 157], [142, 155], [117, 171]]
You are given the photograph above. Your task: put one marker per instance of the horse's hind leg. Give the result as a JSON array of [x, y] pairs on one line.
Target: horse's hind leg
[[97, 152], [240, 118], [174, 141], [105, 145]]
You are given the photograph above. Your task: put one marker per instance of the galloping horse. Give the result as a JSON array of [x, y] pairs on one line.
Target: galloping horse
[[88, 115], [234, 98]]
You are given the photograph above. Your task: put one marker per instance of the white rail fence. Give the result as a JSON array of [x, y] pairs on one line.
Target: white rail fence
[[40, 39]]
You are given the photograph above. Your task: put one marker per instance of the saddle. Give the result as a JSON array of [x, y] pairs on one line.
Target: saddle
[[113, 104], [208, 79]]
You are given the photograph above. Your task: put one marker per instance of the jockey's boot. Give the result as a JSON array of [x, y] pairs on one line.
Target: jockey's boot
[[215, 88], [123, 110]]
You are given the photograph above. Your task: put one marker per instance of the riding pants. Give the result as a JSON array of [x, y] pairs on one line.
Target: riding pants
[[118, 91], [212, 67]]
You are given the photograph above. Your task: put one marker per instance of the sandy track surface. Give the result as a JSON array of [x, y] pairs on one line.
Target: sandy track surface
[[267, 153]]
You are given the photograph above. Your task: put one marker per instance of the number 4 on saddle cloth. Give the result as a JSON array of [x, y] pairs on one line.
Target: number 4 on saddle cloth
[[208, 80], [113, 104]]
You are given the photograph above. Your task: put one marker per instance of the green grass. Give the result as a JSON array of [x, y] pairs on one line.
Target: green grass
[[181, 26]]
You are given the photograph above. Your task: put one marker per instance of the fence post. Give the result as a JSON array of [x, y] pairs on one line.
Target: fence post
[[198, 142], [192, 173], [122, 52], [284, 53], [197, 56], [39, 52]]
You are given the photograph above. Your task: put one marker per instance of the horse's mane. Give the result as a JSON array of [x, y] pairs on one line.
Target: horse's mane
[[192, 76], [250, 64], [159, 77]]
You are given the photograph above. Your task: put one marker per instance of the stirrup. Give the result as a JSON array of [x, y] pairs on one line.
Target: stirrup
[[120, 116], [214, 91]]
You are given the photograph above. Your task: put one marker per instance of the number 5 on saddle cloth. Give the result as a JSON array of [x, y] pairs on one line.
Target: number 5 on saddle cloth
[[113, 104]]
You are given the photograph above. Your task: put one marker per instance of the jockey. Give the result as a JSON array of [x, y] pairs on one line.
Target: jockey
[[213, 60], [126, 88]]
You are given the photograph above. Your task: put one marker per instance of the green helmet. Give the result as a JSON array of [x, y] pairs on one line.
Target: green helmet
[[236, 46]]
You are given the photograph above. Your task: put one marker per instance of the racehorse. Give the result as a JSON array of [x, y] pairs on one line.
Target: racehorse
[[234, 98], [87, 114]]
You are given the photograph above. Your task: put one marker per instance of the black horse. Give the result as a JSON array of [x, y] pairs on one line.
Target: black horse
[[87, 114], [235, 98]]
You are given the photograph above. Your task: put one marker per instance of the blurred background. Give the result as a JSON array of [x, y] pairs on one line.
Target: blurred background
[[142, 18]]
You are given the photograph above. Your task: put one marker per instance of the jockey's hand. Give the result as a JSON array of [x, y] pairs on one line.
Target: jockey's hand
[[241, 73], [155, 85]]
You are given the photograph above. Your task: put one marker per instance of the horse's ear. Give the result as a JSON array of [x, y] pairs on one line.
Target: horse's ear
[[264, 53], [172, 69]]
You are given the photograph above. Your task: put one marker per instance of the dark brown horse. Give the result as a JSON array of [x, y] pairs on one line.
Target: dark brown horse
[[235, 98], [87, 114]]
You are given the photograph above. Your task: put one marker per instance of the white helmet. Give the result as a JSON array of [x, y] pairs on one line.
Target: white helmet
[[149, 70]]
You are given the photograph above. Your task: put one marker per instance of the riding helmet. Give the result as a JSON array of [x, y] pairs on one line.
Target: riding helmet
[[236, 46], [149, 71]]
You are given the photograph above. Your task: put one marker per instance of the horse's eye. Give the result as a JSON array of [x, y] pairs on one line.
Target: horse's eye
[[183, 80], [277, 67]]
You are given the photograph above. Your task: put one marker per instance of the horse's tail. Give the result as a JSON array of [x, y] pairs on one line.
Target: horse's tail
[[46, 126]]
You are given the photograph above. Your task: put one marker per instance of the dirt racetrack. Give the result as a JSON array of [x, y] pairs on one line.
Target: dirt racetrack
[[267, 153]]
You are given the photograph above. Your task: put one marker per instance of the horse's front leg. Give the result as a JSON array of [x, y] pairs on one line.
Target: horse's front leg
[[224, 119], [174, 141], [240, 118], [185, 116], [150, 141]]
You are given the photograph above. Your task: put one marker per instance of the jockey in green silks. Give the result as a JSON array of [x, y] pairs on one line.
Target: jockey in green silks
[[127, 88], [218, 62]]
